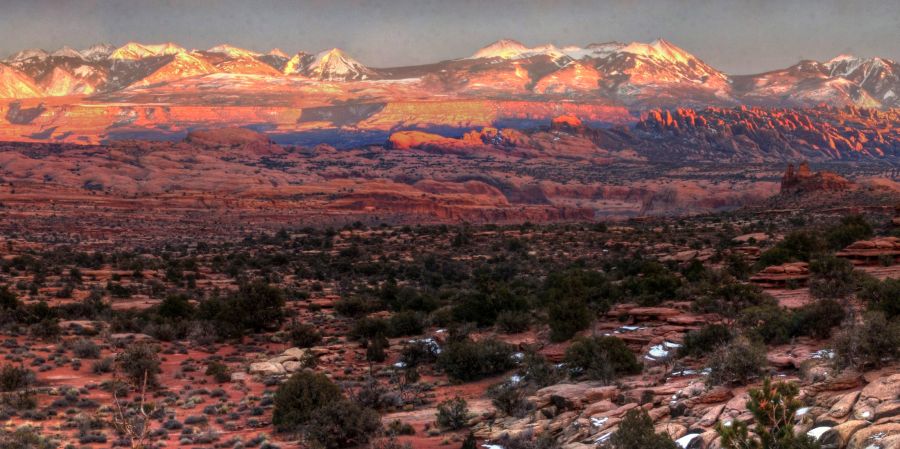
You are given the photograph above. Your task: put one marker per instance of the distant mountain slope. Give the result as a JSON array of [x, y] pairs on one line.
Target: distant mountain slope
[[635, 75]]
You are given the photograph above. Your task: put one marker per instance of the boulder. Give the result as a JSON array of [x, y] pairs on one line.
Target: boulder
[[839, 435], [266, 368], [598, 407], [874, 436], [844, 405]]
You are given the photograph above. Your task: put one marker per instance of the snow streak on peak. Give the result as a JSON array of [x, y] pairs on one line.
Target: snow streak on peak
[[233, 52], [660, 50], [334, 64], [134, 51], [97, 52]]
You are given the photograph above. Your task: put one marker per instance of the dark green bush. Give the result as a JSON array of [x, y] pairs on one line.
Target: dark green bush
[[636, 431], [729, 298], [342, 423], [869, 344], [774, 407], [25, 438], [304, 335], [851, 229], [513, 321], [701, 342], [405, 323], [176, 307], [300, 398], [736, 363], [831, 277], [467, 360], [601, 358], [452, 414], [219, 372], [139, 361], [369, 327], [15, 378], [882, 296], [85, 349], [796, 246]]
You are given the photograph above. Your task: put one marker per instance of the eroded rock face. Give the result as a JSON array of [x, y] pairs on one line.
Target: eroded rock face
[[804, 181], [227, 137]]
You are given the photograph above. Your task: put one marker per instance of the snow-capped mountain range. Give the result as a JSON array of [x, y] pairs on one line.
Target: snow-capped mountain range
[[636, 75]]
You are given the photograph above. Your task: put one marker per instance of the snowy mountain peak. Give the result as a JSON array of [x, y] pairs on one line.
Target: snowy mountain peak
[[335, 64], [67, 52], [278, 52], [233, 52], [504, 49], [28, 54], [134, 50], [97, 52], [660, 50]]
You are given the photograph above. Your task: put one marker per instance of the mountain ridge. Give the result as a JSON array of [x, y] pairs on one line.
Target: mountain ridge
[[636, 75]]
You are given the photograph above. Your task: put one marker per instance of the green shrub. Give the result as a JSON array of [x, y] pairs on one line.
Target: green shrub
[[513, 321], [729, 298], [601, 358], [882, 296], [869, 344], [138, 362], [636, 431], [219, 372], [369, 327], [467, 360], [342, 423], [298, 400], [572, 297], [15, 378], [818, 319], [175, 307], [85, 349], [25, 438], [774, 407], [418, 352], [375, 349], [406, 323], [509, 398], [700, 342], [453, 414], [736, 363], [8, 299], [768, 324], [304, 335], [796, 246], [831, 277], [851, 229]]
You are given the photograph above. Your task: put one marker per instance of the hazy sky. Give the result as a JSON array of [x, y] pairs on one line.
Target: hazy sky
[[738, 36]]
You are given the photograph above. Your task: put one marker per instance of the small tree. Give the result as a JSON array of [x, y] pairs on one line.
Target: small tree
[[341, 424], [139, 363], [636, 432], [735, 363], [831, 277], [773, 407], [601, 358], [304, 335], [453, 414], [297, 400]]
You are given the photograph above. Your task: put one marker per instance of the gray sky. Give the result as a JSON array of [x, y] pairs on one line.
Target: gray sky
[[737, 36]]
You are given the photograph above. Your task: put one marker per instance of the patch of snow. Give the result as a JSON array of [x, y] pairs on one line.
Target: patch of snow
[[515, 378], [603, 438], [818, 432], [597, 422], [802, 411], [684, 441]]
